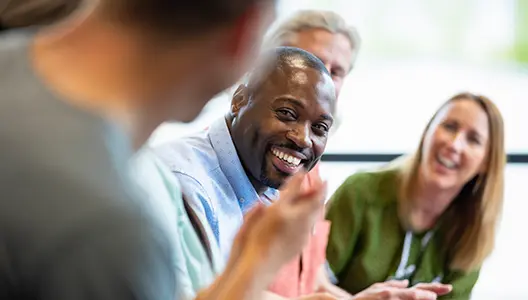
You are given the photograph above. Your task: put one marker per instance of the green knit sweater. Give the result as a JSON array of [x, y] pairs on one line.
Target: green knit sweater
[[367, 242]]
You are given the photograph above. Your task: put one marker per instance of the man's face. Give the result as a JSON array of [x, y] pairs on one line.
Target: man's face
[[282, 126], [334, 49]]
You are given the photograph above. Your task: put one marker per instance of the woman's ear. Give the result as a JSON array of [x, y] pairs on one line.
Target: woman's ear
[[240, 99]]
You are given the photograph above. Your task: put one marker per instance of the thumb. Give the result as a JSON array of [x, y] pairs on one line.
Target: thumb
[[250, 220], [318, 296], [292, 187]]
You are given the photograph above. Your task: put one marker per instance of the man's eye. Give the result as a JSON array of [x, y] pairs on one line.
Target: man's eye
[[286, 113], [321, 127]]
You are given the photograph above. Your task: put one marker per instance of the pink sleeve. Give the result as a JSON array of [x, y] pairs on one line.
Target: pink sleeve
[[289, 282]]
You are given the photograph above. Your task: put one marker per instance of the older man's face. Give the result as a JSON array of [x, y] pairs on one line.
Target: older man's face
[[334, 49]]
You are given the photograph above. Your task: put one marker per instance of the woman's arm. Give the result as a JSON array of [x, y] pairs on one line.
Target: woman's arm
[[345, 212], [462, 283]]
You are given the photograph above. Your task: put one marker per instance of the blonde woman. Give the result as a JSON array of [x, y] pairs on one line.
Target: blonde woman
[[430, 217]]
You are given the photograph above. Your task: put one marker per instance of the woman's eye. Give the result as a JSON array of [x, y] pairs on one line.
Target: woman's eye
[[450, 126]]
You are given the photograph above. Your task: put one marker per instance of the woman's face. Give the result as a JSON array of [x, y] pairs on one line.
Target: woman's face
[[455, 145]]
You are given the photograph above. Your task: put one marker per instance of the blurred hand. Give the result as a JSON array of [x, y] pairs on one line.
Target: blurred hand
[[318, 296], [399, 290], [279, 232], [323, 285]]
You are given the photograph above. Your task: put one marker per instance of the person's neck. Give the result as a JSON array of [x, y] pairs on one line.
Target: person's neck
[[428, 205], [102, 69]]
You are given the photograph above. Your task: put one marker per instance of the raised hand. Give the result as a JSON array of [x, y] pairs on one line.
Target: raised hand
[[280, 231]]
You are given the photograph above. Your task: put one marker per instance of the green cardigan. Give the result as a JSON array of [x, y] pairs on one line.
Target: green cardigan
[[366, 240]]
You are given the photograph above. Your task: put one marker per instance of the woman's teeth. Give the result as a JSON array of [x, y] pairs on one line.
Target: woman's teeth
[[294, 161], [446, 162]]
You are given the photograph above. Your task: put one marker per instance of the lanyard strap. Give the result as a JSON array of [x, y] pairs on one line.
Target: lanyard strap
[[403, 271]]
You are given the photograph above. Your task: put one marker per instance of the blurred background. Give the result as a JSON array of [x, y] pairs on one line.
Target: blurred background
[[415, 55]]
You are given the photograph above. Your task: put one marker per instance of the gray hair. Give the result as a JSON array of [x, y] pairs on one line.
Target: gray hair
[[314, 19]]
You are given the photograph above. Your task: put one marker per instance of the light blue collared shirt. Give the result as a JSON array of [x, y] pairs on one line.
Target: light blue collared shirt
[[213, 180], [161, 190]]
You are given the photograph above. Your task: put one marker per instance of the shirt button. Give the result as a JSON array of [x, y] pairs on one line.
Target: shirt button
[[242, 200]]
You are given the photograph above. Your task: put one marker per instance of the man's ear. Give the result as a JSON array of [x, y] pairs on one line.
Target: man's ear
[[240, 99]]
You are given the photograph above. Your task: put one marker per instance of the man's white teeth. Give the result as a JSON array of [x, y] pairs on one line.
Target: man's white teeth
[[287, 158], [448, 163]]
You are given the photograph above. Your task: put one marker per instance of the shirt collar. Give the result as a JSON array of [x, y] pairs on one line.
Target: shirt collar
[[231, 166]]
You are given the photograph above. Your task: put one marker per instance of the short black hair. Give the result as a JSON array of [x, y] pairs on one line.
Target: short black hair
[[181, 17], [281, 59]]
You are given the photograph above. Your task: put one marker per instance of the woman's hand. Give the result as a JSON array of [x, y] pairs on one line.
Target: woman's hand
[[323, 285], [399, 290]]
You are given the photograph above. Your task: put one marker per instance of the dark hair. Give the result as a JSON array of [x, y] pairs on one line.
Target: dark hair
[[283, 59], [183, 18]]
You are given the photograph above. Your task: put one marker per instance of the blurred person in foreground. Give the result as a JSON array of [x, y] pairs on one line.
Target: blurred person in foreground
[[22, 13], [427, 218], [77, 101]]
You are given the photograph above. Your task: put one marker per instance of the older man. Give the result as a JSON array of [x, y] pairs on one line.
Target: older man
[[324, 34]]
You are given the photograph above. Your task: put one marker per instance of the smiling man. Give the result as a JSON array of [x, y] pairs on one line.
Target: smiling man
[[278, 124]]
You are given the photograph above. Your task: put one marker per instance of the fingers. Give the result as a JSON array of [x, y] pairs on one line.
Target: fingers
[[391, 293], [318, 296], [437, 288], [292, 187], [416, 294], [249, 222], [394, 283], [253, 215]]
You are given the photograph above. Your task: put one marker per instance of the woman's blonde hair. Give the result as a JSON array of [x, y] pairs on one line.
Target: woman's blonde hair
[[474, 214]]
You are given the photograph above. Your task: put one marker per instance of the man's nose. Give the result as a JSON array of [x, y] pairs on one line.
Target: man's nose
[[300, 135]]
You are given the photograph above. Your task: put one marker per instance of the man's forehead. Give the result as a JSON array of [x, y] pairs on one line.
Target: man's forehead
[[305, 84], [298, 80]]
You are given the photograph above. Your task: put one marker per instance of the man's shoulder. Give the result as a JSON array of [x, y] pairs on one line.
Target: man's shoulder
[[13, 50], [192, 155], [75, 221], [53, 205]]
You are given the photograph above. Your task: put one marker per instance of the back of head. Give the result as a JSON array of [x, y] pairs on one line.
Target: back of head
[[210, 43], [23, 13], [183, 18]]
